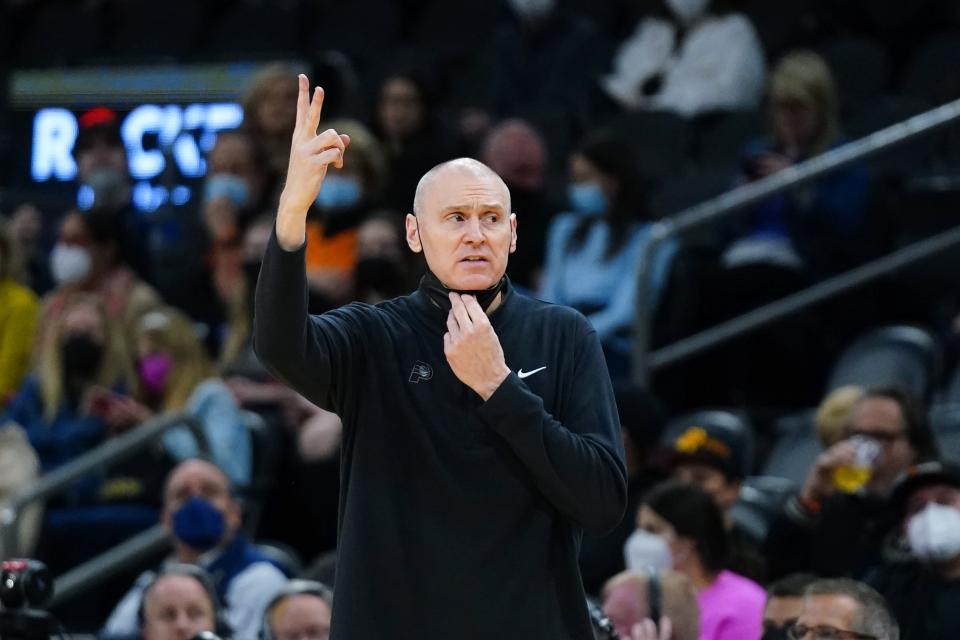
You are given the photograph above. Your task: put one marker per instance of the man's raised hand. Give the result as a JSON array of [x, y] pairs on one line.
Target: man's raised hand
[[310, 156]]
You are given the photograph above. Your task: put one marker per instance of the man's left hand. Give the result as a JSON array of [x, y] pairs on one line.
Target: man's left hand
[[646, 630], [473, 348]]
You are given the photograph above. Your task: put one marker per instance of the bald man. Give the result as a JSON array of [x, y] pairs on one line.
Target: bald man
[[202, 518], [480, 433]]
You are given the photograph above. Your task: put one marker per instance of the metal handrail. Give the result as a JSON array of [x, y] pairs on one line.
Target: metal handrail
[[142, 546], [738, 199], [814, 294], [113, 450]]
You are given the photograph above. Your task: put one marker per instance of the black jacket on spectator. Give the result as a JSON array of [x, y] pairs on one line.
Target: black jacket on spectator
[[844, 539], [926, 605], [458, 517]]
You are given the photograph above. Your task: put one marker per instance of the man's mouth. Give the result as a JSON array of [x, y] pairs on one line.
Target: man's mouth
[[474, 259]]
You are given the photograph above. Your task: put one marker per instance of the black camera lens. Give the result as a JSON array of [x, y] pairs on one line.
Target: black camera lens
[[24, 583]]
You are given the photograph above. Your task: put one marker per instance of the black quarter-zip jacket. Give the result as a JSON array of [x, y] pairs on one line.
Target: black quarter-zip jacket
[[458, 518]]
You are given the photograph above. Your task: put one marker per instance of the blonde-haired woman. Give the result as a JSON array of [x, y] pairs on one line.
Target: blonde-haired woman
[[81, 365], [811, 229], [66, 407], [175, 374]]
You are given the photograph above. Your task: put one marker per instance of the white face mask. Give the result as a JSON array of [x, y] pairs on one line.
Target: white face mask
[[644, 550], [532, 8], [110, 189], [686, 11], [69, 263], [934, 533]]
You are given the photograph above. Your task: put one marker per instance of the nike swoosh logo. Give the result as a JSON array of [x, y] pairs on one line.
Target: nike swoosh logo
[[526, 374]]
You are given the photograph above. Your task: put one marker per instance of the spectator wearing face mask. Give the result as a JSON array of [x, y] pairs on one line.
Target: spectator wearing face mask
[[19, 310], [921, 575], [681, 528], [87, 259], [347, 196], [383, 270], [174, 374], [690, 57], [78, 359], [237, 187], [202, 518], [198, 254], [836, 524], [592, 251], [66, 408]]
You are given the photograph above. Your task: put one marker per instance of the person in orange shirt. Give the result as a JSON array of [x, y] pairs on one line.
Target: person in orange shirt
[[340, 207]]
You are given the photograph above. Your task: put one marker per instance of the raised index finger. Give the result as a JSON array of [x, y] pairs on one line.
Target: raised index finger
[[303, 99]]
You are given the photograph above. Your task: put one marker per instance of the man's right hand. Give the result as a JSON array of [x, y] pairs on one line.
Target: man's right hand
[[310, 156], [819, 483]]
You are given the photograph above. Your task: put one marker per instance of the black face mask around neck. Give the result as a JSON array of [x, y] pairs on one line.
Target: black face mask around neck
[[439, 293]]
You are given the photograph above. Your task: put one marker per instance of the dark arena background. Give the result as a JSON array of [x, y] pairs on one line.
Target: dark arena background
[[756, 203]]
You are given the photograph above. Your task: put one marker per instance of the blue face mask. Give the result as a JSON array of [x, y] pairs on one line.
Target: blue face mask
[[339, 192], [225, 185], [199, 524], [587, 198]]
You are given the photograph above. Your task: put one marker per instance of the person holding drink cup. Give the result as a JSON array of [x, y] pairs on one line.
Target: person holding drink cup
[[835, 524]]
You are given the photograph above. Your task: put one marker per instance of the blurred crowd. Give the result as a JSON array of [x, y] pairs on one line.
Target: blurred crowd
[[821, 499]]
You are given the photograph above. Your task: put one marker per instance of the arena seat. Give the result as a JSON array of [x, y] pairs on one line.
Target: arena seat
[[256, 28], [719, 137], [884, 112], [932, 73], [659, 140], [899, 355], [761, 500], [143, 32], [62, 34], [795, 447], [860, 71]]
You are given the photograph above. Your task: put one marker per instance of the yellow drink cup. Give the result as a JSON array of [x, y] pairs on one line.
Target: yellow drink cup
[[851, 478]]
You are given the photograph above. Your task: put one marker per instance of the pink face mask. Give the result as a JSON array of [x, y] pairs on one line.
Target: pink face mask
[[154, 370]]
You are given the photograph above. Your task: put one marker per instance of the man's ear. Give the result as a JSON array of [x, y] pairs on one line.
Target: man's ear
[[413, 233], [166, 519], [513, 232], [234, 514]]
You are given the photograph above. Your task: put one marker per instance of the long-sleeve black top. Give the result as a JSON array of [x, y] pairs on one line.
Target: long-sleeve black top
[[457, 517]]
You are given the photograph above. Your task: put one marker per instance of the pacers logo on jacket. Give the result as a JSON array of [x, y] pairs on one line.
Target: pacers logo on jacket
[[420, 371]]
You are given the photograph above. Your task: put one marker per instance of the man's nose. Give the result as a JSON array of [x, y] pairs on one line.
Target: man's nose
[[473, 232], [183, 626]]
